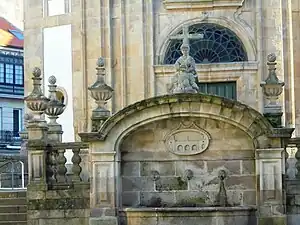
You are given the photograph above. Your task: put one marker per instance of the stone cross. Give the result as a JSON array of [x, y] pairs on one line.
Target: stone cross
[[186, 36]]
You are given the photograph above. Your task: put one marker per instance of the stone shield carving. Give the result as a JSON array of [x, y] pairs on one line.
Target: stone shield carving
[[189, 140]]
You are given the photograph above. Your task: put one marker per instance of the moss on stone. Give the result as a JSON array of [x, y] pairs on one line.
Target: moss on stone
[[191, 202], [272, 221]]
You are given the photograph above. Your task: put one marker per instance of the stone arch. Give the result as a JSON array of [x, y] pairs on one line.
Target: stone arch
[[185, 105], [238, 29]]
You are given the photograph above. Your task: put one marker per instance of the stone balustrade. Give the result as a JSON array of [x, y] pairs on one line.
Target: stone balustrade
[[56, 170]]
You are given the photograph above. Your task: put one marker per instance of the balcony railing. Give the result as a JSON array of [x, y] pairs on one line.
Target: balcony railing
[[8, 137], [11, 90]]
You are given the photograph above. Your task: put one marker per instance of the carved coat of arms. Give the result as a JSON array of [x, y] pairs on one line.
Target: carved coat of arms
[[187, 140]]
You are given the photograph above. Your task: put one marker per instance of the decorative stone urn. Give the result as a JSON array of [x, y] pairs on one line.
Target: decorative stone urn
[[272, 89], [101, 92], [55, 107], [36, 101]]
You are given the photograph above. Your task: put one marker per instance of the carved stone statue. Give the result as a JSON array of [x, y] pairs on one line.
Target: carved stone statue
[[185, 78]]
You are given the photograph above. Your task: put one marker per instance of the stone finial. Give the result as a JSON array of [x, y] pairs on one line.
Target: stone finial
[[221, 199], [101, 93], [36, 101], [55, 107], [272, 89]]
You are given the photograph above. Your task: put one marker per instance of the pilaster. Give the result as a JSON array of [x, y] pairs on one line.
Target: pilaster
[[103, 187], [37, 134], [270, 171]]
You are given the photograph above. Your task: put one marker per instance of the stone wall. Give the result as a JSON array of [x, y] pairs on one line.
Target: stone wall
[[50, 207], [293, 201], [152, 176]]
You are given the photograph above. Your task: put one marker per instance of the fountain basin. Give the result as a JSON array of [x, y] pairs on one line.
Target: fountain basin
[[189, 216]]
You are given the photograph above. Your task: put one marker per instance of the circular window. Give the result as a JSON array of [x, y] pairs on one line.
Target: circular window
[[217, 44]]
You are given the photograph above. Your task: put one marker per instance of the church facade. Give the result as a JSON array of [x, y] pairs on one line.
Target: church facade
[[230, 41], [159, 152]]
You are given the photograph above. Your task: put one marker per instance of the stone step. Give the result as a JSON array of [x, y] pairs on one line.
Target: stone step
[[13, 201], [12, 194], [13, 209], [13, 216], [13, 222]]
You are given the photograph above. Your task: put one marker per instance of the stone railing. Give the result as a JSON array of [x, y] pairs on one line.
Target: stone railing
[[57, 176], [293, 159]]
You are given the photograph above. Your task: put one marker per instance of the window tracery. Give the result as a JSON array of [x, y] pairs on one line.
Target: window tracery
[[215, 44]]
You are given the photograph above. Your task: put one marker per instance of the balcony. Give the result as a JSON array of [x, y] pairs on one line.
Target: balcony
[[11, 90], [9, 137]]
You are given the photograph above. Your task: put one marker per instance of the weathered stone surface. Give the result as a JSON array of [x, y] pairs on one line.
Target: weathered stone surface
[[164, 168], [190, 216], [63, 204], [232, 167], [130, 198], [170, 184], [157, 199], [130, 168], [137, 184]]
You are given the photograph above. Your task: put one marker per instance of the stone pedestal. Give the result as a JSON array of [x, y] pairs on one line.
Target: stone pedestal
[[68, 207], [103, 175], [55, 132], [37, 139], [103, 188], [270, 170]]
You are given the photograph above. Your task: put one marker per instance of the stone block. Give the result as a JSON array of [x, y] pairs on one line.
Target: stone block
[[248, 167], [157, 199], [142, 220], [206, 182], [293, 219], [190, 198], [234, 197], [236, 220], [32, 222], [197, 167], [131, 198], [97, 212], [170, 184], [240, 182], [297, 199], [249, 197], [232, 167], [65, 221], [188, 220], [164, 168], [272, 221], [81, 213], [137, 184], [130, 169]]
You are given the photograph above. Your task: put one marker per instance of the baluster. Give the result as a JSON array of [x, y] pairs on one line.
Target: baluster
[[76, 168], [49, 171], [50, 165], [61, 167], [286, 157], [297, 165], [54, 155]]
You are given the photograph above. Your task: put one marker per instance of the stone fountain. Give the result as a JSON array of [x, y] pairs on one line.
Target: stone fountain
[[187, 185]]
